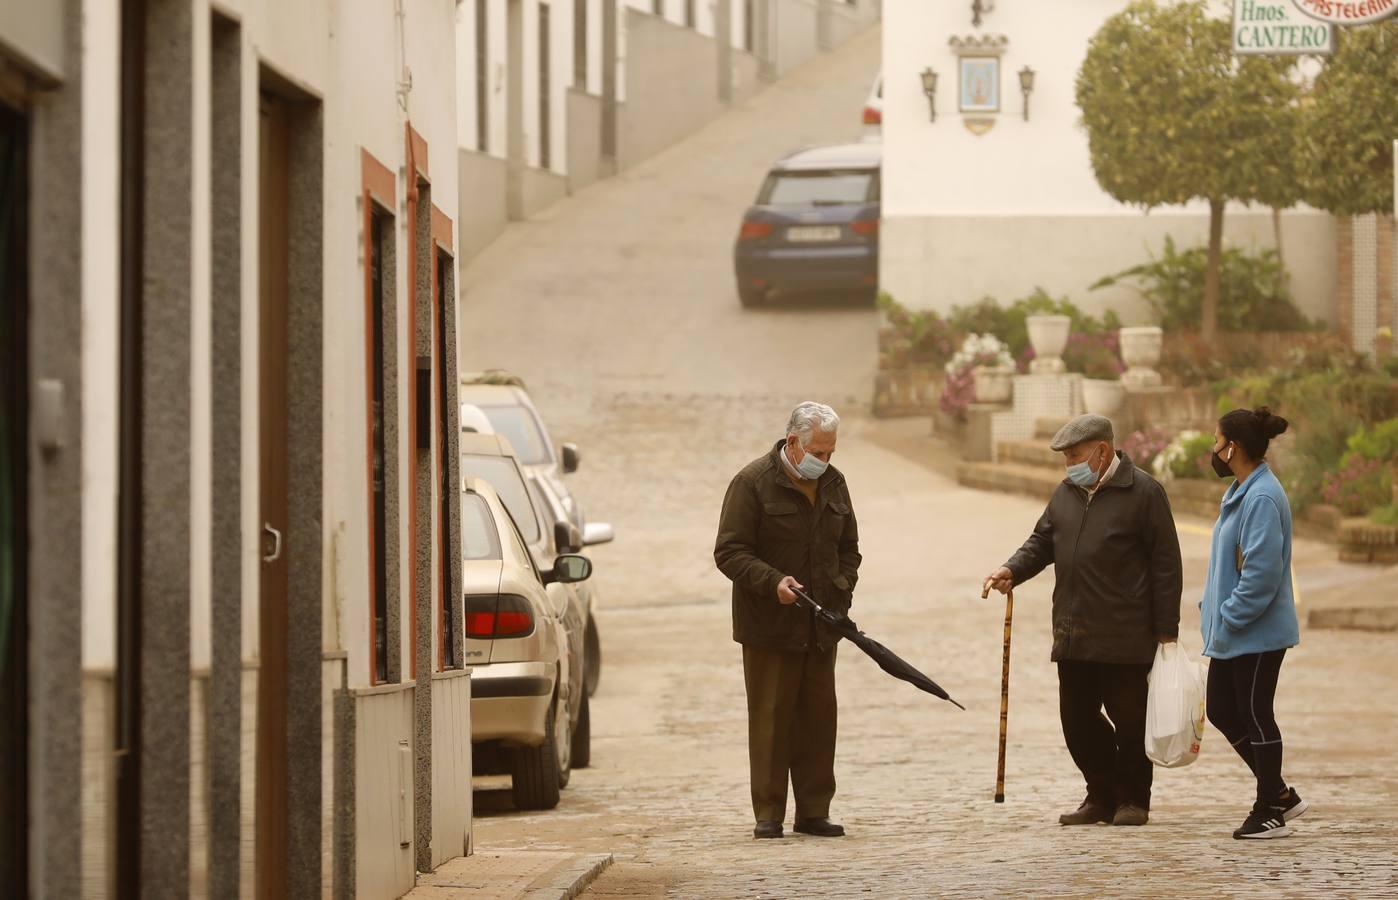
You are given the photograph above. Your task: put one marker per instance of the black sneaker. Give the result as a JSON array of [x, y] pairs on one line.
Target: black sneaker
[[1292, 805], [1265, 821]]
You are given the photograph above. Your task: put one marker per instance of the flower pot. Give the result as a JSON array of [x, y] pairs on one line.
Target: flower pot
[[1049, 335], [1102, 396], [994, 384], [1140, 350]]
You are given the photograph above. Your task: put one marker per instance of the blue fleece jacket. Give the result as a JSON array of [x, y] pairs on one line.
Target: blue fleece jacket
[[1248, 606]]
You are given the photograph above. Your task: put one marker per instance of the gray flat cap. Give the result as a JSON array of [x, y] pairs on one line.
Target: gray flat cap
[[1084, 428]]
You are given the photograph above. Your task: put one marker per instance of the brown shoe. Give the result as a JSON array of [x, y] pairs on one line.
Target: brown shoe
[[1088, 814], [1130, 814], [821, 827], [767, 830]]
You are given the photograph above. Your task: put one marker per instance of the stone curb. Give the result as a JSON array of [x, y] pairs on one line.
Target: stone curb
[[568, 880]]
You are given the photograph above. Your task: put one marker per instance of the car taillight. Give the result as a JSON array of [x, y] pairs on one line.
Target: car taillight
[[865, 227], [505, 616], [872, 116], [752, 231]]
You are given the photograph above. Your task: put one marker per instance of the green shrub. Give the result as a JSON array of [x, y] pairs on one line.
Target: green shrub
[[920, 336], [1324, 408], [1252, 290], [1378, 443], [1385, 515]]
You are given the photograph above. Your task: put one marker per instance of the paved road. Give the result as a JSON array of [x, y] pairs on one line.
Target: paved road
[[672, 388]]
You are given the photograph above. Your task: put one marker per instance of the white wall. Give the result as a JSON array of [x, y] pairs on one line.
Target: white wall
[[957, 206], [100, 334]]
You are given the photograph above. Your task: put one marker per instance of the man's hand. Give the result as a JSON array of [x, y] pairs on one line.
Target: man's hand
[[784, 589], [1002, 580]]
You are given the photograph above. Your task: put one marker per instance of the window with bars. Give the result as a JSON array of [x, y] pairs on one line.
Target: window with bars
[[545, 88], [580, 44], [482, 78]]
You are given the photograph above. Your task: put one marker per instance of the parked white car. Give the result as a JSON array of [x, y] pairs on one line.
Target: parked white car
[[517, 646], [873, 110]]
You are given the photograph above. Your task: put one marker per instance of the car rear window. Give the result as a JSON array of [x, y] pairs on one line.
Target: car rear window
[[501, 473], [522, 429], [831, 187], [479, 539]]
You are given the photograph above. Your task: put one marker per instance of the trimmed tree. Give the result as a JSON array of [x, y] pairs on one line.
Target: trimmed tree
[[1351, 122], [1172, 116]]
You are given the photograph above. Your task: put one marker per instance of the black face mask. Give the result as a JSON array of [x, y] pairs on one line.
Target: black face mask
[[1220, 465]]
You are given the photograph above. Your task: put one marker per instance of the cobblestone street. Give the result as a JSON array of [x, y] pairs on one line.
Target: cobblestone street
[[674, 389]]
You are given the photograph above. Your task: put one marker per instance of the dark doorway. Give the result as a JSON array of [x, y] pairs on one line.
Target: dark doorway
[[381, 230], [273, 407], [14, 512], [450, 654]]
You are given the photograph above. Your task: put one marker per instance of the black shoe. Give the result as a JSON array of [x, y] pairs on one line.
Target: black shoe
[[1090, 813], [767, 830], [1292, 805], [821, 827], [1265, 821]]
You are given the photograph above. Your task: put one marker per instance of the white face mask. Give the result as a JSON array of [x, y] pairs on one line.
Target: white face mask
[[809, 467]]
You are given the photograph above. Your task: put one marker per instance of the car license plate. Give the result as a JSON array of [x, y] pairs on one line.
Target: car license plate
[[806, 234]]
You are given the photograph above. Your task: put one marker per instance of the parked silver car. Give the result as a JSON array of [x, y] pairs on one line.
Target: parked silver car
[[501, 399], [517, 645], [491, 458]]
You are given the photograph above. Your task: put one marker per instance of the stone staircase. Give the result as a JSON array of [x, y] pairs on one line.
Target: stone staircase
[[1030, 468]]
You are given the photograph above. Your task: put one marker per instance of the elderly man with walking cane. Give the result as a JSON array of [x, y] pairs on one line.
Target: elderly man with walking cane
[[1110, 536], [787, 526]]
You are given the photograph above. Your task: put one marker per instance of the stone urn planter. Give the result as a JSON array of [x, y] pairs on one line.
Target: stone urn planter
[[994, 384], [1140, 350], [1049, 335], [1103, 396]]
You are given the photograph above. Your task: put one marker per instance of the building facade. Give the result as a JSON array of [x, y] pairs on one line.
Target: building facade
[[987, 199], [230, 604], [554, 95]]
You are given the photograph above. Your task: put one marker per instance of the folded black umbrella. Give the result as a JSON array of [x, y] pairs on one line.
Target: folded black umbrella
[[889, 661]]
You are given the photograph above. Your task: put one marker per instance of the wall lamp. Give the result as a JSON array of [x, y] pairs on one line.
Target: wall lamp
[[929, 87], [1026, 87]]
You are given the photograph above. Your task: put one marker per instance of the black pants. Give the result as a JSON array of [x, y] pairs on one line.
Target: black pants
[[791, 730], [1110, 754], [1240, 695]]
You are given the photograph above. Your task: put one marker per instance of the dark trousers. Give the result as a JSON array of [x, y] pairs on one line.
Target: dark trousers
[[791, 730], [1110, 754], [1240, 695]]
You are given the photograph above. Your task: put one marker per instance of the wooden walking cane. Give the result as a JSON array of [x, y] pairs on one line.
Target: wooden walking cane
[[1004, 694]]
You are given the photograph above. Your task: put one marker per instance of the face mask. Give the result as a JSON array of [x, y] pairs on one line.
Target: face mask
[[811, 468], [1082, 474], [1221, 465]]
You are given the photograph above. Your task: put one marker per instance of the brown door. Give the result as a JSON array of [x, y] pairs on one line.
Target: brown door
[[272, 402]]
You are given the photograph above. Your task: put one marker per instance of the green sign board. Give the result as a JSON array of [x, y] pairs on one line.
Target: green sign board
[[1278, 28]]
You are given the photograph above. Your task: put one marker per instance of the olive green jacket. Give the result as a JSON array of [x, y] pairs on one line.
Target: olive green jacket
[[769, 529]]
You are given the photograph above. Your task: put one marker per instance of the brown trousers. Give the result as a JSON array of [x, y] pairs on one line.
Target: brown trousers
[[791, 730]]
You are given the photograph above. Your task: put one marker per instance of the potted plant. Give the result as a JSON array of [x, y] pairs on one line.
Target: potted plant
[[1049, 336], [984, 369], [1095, 356]]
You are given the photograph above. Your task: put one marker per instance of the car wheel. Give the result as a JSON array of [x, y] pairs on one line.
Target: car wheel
[[582, 737], [537, 773], [751, 296], [592, 671]]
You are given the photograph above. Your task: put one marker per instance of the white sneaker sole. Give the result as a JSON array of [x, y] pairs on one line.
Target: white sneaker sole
[[1284, 831], [1297, 810]]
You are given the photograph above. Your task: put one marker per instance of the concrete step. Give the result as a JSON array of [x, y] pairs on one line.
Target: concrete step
[[1030, 453], [1009, 478]]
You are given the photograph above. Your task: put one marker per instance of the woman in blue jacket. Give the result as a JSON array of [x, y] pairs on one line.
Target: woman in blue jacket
[[1248, 615]]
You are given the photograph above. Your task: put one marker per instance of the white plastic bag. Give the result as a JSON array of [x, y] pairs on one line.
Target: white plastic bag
[[1174, 708]]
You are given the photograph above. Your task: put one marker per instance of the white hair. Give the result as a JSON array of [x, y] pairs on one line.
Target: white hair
[[809, 416]]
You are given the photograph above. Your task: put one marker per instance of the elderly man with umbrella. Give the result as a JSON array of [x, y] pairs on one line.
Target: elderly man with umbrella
[[787, 526], [1110, 536]]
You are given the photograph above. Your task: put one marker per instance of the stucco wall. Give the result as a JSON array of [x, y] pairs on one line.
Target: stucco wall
[[958, 207], [936, 262], [482, 192], [584, 140]]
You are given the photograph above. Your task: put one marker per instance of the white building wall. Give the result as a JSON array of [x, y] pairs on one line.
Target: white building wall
[[956, 205], [100, 336]]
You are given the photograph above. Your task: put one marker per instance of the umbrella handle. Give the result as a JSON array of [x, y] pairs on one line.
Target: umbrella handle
[[802, 595], [1004, 699]]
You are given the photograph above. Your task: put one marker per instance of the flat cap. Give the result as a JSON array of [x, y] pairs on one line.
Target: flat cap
[[1084, 428]]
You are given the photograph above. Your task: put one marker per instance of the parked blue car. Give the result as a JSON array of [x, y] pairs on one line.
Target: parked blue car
[[814, 226]]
